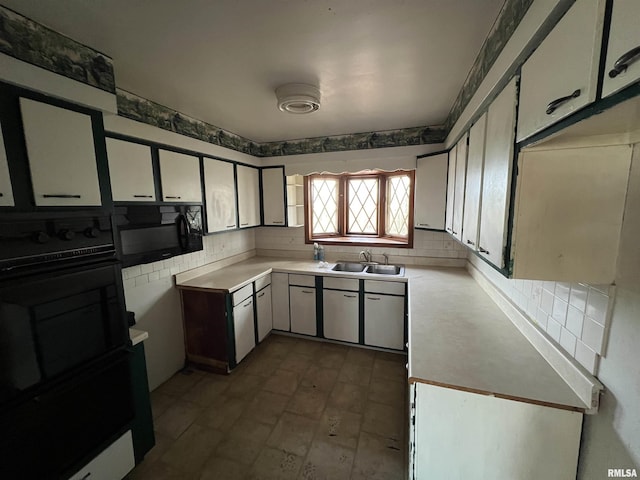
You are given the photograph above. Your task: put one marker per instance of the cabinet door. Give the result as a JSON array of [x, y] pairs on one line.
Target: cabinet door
[[6, 192], [244, 329], [265, 316], [131, 171], [280, 301], [384, 321], [496, 181], [62, 157], [451, 188], [115, 462], [341, 315], [248, 196], [461, 176], [220, 195], [563, 71], [473, 188], [273, 195], [303, 310], [623, 48], [180, 177], [431, 191]]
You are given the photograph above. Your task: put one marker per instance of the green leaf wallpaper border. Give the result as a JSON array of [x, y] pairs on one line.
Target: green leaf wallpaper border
[[33, 43]]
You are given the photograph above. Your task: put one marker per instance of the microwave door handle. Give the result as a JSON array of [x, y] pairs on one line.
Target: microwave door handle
[[183, 232]]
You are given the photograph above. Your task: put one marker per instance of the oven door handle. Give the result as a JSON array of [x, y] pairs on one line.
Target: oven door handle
[[183, 232]]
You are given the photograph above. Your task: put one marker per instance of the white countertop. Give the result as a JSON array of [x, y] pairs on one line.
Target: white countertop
[[458, 337], [137, 336]]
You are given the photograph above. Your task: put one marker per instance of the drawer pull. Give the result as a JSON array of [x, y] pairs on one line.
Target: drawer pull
[[350, 296], [454, 232], [62, 195], [260, 295], [143, 196], [623, 62], [1, 194], [86, 476], [483, 250], [307, 291], [277, 221], [423, 224], [174, 197], [552, 107], [247, 304], [469, 242], [373, 298], [244, 224], [231, 226]]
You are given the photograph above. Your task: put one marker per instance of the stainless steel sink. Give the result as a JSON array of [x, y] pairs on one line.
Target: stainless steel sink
[[348, 267], [385, 269]]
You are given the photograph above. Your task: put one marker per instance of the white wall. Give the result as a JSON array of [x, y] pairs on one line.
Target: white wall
[[391, 158]]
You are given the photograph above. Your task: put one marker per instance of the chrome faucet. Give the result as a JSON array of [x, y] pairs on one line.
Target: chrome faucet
[[386, 258], [365, 255]]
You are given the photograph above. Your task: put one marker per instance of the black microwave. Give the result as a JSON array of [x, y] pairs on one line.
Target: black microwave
[[148, 233]]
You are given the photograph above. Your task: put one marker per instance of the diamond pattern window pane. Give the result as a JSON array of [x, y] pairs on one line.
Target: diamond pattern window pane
[[324, 202], [398, 191], [363, 205]]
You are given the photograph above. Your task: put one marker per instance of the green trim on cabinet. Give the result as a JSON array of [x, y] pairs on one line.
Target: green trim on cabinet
[[142, 424], [231, 335], [361, 324], [319, 307]]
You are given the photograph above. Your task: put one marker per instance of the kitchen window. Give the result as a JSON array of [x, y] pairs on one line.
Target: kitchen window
[[360, 208]]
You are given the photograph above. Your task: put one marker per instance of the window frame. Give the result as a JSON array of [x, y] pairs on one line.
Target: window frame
[[380, 239]]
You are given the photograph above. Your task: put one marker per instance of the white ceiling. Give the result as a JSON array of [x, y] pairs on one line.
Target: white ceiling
[[380, 64]]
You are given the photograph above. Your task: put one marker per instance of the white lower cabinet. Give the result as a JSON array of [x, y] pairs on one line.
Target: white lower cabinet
[[302, 302], [341, 315], [458, 434], [384, 320], [114, 463], [264, 313], [280, 302], [243, 327]]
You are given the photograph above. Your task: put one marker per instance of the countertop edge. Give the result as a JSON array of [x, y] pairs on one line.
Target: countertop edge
[[136, 336]]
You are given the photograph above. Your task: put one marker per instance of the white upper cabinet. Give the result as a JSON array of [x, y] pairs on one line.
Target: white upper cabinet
[[220, 195], [62, 157], [569, 210], [6, 192], [496, 181], [451, 187], [461, 175], [131, 171], [248, 196], [473, 187], [622, 67], [273, 195], [180, 177], [431, 191], [561, 76]]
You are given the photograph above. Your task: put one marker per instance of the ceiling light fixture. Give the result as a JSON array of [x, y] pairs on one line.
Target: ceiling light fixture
[[298, 98]]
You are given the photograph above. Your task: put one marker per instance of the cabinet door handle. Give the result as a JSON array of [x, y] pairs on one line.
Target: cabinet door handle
[[247, 304], [144, 196], [260, 295], [174, 197], [559, 101], [350, 296], [623, 62], [483, 250], [277, 221], [373, 298], [1, 194], [423, 224], [231, 226], [307, 291], [62, 195], [454, 232], [244, 224], [86, 476], [469, 242]]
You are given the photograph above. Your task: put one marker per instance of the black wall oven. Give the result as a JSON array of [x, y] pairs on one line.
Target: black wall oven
[[65, 387], [148, 233]]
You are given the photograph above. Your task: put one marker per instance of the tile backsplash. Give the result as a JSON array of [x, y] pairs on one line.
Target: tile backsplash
[[215, 248], [430, 248], [576, 316]]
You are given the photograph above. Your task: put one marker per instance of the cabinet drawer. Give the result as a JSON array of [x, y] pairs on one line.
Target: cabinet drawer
[[112, 464], [242, 294], [341, 283], [263, 282], [302, 280], [378, 286]]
